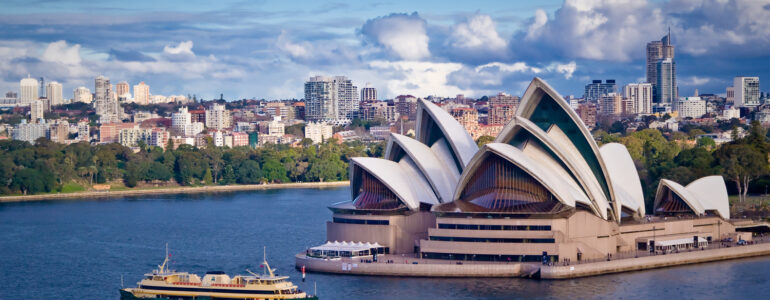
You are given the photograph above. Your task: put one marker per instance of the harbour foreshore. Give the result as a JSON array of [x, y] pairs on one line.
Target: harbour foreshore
[[431, 268], [172, 190]]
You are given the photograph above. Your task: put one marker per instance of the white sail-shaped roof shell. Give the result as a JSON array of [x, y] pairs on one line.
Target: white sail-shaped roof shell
[[680, 191], [557, 185], [625, 178], [442, 176], [461, 144], [565, 152], [711, 192], [398, 178]]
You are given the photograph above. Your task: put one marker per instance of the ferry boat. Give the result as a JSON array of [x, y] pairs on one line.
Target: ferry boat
[[163, 283]]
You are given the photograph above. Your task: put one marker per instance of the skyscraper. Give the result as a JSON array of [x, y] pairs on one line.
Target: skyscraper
[[641, 96], [658, 51], [101, 90], [330, 99], [54, 91], [36, 111], [28, 90], [746, 91], [142, 93], [665, 86]]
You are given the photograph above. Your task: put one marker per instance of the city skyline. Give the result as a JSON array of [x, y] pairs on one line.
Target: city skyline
[[400, 48]]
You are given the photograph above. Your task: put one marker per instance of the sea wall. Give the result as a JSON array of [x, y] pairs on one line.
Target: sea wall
[[175, 190], [652, 262]]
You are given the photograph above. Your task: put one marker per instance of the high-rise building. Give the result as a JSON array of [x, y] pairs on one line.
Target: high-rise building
[[53, 90], [36, 111], [82, 94], [122, 89], [596, 89], [504, 99], [101, 91], [406, 106], [142, 93], [28, 90], [332, 99], [218, 117], [665, 87], [746, 91], [84, 133], [29, 132], [658, 51], [641, 96], [368, 94]]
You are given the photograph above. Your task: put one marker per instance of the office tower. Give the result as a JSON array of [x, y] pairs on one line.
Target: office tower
[[665, 86], [641, 96], [746, 91], [28, 90], [54, 91], [218, 117], [122, 90], [142, 93], [82, 94], [596, 89], [36, 111], [330, 98], [368, 94], [658, 51]]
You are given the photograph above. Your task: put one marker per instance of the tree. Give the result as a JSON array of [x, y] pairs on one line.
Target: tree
[[484, 139], [207, 177], [706, 142], [249, 172], [742, 164], [274, 171]]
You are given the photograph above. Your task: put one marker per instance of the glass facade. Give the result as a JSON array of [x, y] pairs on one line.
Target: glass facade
[[500, 186], [672, 204], [494, 227], [360, 221], [490, 240], [373, 194], [490, 257]]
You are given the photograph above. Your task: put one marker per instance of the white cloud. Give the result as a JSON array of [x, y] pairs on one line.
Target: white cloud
[[180, 52], [295, 50], [694, 81], [479, 32], [417, 78], [60, 52], [522, 67], [402, 35]]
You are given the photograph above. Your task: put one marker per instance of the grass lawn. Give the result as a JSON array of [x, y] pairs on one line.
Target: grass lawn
[[72, 187]]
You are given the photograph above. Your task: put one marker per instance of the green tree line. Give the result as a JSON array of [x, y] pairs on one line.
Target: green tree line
[[48, 167]]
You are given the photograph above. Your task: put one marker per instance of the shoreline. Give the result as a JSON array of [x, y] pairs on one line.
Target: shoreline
[[173, 190], [437, 269]]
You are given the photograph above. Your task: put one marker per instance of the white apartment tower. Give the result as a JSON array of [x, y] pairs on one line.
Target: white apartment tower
[[54, 92], [218, 117], [36, 111], [368, 94], [746, 91], [641, 95], [330, 99], [318, 132], [29, 90], [82, 94]]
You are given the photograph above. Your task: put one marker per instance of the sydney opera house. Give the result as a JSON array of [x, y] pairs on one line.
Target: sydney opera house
[[542, 189]]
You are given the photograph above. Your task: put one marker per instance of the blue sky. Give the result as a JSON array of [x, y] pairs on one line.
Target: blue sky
[[267, 49]]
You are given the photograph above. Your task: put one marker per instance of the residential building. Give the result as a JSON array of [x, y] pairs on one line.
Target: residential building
[[36, 111], [318, 132], [690, 107], [596, 89], [84, 131], [611, 104], [142, 93], [53, 91], [29, 132], [746, 91], [380, 132], [504, 99], [587, 114], [333, 99], [275, 127], [83, 94], [122, 89], [500, 114], [280, 109], [218, 117], [239, 139], [641, 95], [28, 91], [58, 132], [368, 94], [468, 118], [406, 106], [730, 95], [382, 110], [730, 113]]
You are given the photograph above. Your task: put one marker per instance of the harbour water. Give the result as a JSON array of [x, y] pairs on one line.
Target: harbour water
[[80, 250]]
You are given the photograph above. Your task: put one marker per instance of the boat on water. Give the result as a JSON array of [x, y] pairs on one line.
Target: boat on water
[[164, 283]]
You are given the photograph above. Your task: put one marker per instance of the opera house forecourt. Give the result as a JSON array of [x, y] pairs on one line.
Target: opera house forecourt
[[542, 194]]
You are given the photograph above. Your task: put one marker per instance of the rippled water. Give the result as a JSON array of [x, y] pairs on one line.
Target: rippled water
[[80, 250]]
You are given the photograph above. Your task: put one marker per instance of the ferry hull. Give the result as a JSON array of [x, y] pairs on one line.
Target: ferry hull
[[128, 294]]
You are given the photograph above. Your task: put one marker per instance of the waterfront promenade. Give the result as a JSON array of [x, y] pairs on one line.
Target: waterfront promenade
[[173, 190], [406, 265]]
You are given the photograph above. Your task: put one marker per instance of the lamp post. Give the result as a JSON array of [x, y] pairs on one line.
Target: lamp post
[[654, 244], [719, 232]]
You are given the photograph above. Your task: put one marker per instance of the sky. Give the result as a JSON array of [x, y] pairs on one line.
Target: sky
[[268, 49]]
